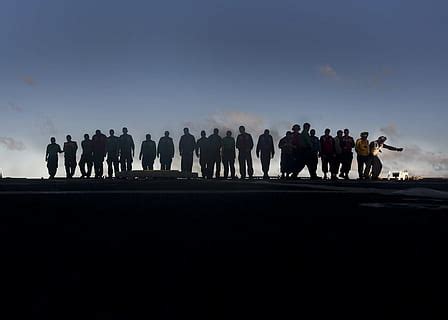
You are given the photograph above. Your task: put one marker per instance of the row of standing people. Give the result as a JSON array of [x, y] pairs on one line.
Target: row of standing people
[[298, 149], [303, 148], [119, 153]]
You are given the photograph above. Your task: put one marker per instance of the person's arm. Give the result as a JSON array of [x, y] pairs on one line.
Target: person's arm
[[46, 155], [238, 142], [132, 146], [385, 146], [172, 148], [257, 149], [181, 141], [197, 149], [141, 152], [251, 142], [272, 148], [158, 150]]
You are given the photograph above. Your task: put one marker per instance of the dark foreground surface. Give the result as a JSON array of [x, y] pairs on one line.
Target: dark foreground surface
[[223, 250]]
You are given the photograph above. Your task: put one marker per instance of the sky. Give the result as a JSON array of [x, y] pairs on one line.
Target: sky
[[74, 66]]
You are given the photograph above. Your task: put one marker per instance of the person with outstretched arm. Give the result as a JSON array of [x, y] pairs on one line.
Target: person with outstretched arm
[[374, 160]]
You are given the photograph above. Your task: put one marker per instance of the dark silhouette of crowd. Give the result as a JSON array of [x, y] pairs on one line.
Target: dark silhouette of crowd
[[299, 148]]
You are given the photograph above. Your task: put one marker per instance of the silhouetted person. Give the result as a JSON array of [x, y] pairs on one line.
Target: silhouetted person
[[51, 157], [347, 145], [203, 153], [99, 152], [296, 141], [113, 152], [362, 151], [148, 153], [245, 144], [127, 149], [165, 151], [328, 154], [374, 161], [215, 143], [69, 149], [265, 148], [86, 157], [338, 150], [287, 155], [306, 153], [228, 155], [314, 155], [187, 145]]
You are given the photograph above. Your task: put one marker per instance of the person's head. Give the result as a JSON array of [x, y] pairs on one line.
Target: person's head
[[288, 133], [306, 127], [86, 136], [382, 139], [186, 130], [327, 132], [229, 133], [203, 134], [312, 132], [242, 129], [167, 133], [98, 131], [69, 138], [364, 135], [111, 132], [346, 132], [53, 140], [339, 133], [125, 130], [148, 137], [266, 132], [215, 131], [295, 128]]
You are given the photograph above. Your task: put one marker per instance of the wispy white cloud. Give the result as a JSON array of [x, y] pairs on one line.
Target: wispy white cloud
[[29, 80], [12, 144], [328, 71]]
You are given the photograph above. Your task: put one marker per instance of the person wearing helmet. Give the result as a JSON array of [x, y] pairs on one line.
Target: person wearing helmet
[[362, 154], [375, 148]]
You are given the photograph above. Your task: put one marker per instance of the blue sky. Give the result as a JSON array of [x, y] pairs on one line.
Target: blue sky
[[75, 66]]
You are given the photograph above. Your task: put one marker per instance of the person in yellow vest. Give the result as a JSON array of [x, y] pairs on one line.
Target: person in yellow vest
[[362, 154], [374, 160]]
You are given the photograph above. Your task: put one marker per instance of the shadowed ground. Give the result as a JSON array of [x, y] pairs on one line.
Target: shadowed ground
[[223, 249]]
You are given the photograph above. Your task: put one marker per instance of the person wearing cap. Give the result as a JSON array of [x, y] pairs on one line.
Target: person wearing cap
[[362, 154], [375, 148]]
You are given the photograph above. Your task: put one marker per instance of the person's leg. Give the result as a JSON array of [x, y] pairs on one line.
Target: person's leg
[[375, 168], [67, 169], [348, 166], [123, 164], [190, 163], [116, 166], [242, 163], [226, 164], [110, 169], [129, 163], [168, 164], [265, 162], [250, 168], [367, 171], [232, 167], [82, 167], [361, 162], [218, 165], [151, 165]]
